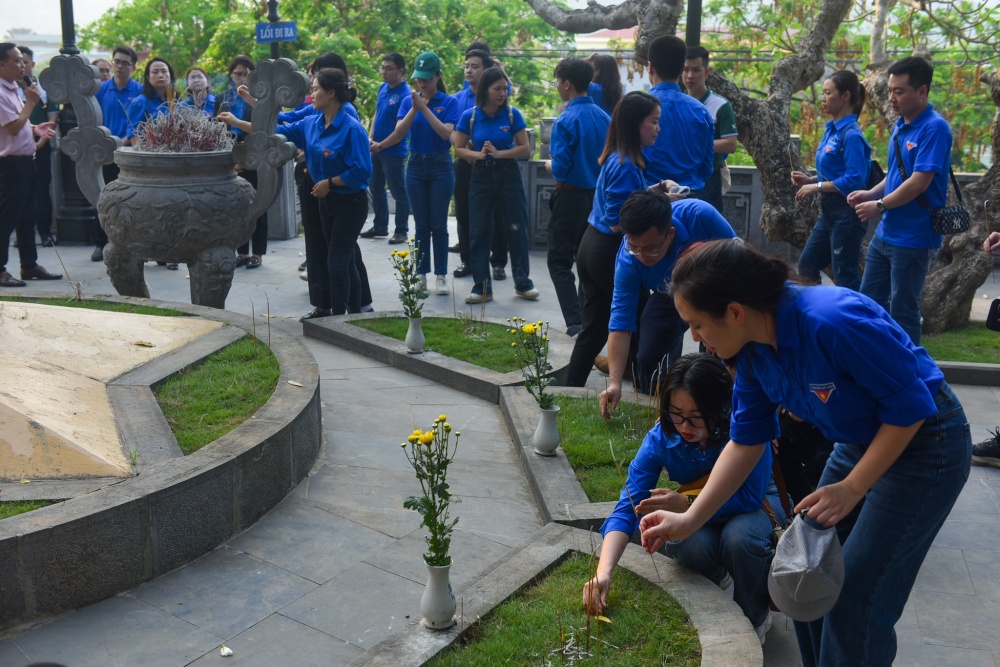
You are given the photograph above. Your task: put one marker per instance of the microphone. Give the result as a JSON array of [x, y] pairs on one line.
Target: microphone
[[27, 81]]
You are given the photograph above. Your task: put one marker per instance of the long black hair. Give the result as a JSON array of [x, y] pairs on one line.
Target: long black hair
[[335, 81], [147, 88], [710, 385], [606, 74], [623, 135], [488, 78]]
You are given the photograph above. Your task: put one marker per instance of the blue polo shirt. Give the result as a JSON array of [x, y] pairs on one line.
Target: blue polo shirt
[[843, 155], [207, 107], [595, 91], [498, 129], [386, 108], [115, 103], [577, 140], [685, 463], [694, 221], [306, 109], [338, 149], [423, 138], [841, 364], [142, 108], [618, 179], [466, 99], [926, 146], [685, 148], [230, 101]]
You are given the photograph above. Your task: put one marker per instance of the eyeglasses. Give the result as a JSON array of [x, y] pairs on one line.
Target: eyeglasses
[[677, 419], [122, 63], [388, 69], [648, 252]]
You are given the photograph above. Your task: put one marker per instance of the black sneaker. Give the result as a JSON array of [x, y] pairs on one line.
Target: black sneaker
[[457, 248], [316, 312], [397, 238], [987, 452], [462, 271]]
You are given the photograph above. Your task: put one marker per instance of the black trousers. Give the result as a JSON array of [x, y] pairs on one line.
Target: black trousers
[[570, 210], [259, 238], [41, 197], [498, 243], [341, 218], [16, 175]]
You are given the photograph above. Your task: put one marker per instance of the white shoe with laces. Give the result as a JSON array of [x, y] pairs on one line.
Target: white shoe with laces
[[442, 285], [764, 627]]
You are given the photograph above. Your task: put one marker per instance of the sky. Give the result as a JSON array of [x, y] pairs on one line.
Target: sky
[[43, 17]]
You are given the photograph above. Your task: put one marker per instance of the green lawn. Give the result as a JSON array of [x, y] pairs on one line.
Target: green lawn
[[584, 436], [973, 343], [207, 401], [648, 627], [16, 507], [97, 305], [487, 345]]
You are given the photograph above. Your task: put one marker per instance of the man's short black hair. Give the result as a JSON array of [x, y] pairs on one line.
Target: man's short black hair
[[25, 51], [397, 60], [577, 71], [644, 210], [919, 71], [697, 52], [666, 55], [478, 46], [5, 49], [484, 57], [127, 50]]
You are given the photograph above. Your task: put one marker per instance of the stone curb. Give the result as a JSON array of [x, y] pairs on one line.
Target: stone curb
[[961, 372], [475, 380], [726, 635], [109, 540]]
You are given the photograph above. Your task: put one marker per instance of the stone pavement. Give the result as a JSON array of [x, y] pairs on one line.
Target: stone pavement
[[336, 567]]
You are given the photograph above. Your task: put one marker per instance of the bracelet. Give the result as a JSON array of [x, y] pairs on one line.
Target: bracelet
[[330, 182]]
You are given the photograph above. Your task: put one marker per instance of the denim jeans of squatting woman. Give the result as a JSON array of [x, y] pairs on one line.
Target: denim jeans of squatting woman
[[430, 181], [497, 183], [741, 546], [886, 538], [836, 242], [342, 217]]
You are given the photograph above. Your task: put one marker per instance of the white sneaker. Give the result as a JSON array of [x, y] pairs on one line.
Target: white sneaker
[[763, 628], [442, 285], [304, 276], [478, 298], [529, 294], [423, 281]]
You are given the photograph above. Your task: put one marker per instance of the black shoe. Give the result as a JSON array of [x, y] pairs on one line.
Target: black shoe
[[241, 260], [48, 241], [98, 254], [462, 271], [316, 312], [987, 452], [172, 266], [253, 262], [397, 238], [302, 266], [499, 273], [373, 233], [455, 248]]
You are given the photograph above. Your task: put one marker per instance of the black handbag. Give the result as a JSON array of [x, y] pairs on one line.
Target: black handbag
[[947, 219]]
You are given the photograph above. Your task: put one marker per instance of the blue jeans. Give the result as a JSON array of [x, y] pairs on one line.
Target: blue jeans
[[430, 181], [894, 278], [741, 546], [497, 184], [391, 170], [835, 240], [886, 538]]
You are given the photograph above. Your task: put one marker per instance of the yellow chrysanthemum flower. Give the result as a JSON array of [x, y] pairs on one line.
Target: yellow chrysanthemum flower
[[427, 438], [442, 417], [528, 329]]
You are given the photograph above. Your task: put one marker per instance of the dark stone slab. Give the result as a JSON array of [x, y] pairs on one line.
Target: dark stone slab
[[362, 488], [12, 601], [307, 437], [960, 372], [958, 620], [141, 424]]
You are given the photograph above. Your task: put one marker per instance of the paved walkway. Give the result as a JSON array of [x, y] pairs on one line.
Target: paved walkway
[[336, 567]]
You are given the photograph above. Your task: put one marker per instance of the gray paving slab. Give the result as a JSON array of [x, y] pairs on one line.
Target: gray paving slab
[[983, 571], [506, 521], [224, 592], [979, 533], [12, 656], [928, 655], [976, 499], [368, 450], [496, 479], [395, 523], [944, 570], [362, 488], [340, 412], [963, 621]]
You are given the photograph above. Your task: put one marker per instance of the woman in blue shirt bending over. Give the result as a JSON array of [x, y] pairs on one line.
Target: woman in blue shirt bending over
[[634, 125], [735, 545], [429, 114], [157, 92], [843, 160], [492, 135], [837, 360]]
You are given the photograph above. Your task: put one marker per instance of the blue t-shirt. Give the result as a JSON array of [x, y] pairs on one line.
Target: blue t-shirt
[[577, 140], [843, 155], [339, 149], [498, 129], [423, 138], [143, 108], [465, 98], [386, 110], [685, 148], [842, 364], [685, 463], [618, 179], [115, 103], [694, 221], [208, 106], [230, 101], [926, 146], [306, 109], [595, 91]]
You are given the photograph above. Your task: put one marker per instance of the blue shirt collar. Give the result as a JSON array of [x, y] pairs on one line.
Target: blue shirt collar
[[586, 99], [666, 85], [924, 116], [337, 121], [847, 121]]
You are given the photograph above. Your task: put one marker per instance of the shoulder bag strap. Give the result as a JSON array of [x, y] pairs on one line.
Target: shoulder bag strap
[[779, 480], [921, 198]]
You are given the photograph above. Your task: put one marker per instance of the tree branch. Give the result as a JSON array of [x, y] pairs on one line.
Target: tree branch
[[594, 17]]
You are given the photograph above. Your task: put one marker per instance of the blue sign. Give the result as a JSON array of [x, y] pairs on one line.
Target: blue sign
[[286, 31]]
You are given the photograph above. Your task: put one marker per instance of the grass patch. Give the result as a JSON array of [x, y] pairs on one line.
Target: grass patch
[[207, 401], [110, 306], [648, 626], [584, 435], [973, 343], [15, 507], [455, 338]]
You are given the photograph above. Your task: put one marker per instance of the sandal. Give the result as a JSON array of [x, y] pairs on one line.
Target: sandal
[[253, 262]]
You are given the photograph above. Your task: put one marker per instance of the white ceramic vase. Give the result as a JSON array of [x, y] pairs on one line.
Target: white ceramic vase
[[546, 438], [437, 605], [415, 336]]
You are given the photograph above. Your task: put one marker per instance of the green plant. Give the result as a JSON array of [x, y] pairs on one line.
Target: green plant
[[531, 342], [430, 453], [411, 293], [133, 456]]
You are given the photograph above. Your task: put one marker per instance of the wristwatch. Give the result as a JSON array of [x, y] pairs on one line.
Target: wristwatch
[[881, 206], [691, 500]]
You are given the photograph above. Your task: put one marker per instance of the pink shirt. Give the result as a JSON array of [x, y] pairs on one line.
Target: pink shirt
[[22, 143]]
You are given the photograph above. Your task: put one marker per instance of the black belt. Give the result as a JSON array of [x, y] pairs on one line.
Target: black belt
[[567, 186], [18, 158]]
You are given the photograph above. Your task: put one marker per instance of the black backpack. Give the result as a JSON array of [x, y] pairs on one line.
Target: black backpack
[[875, 172]]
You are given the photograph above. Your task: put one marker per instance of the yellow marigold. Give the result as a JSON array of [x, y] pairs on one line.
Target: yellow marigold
[[513, 344], [528, 329], [404, 253], [427, 438], [442, 417], [418, 432]]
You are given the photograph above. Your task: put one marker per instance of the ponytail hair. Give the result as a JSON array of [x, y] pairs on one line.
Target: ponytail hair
[[848, 82], [335, 81]]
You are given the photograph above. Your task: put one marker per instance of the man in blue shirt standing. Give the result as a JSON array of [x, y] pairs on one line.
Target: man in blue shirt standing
[[684, 151], [578, 136], [904, 242], [389, 166], [114, 96]]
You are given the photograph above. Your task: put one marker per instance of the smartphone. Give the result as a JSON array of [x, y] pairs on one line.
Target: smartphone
[[679, 190]]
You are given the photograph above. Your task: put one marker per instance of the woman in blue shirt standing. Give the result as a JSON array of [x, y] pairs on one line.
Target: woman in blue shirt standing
[[498, 136], [843, 160], [429, 114], [634, 126], [686, 441], [837, 360], [157, 93], [199, 95]]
